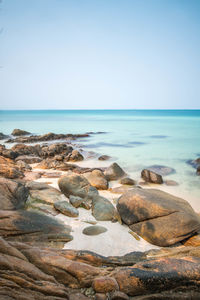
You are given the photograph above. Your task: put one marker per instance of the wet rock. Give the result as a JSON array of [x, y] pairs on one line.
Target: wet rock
[[162, 170], [127, 181], [94, 230], [29, 159], [19, 132], [9, 169], [3, 136], [22, 149], [160, 218], [97, 179], [56, 150], [66, 208], [75, 201], [114, 172], [150, 176], [13, 195], [105, 284], [76, 185], [103, 209], [104, 157], [194, 163], [75, 156]]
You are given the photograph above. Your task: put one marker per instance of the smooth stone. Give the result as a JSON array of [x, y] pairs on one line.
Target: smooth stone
[[150, 176], [94, 230], [76, 185], [114, 172], [104, 157], [158, 217], [127, 181], [103, 209], [75, 200], [97, 179], [66, 208]]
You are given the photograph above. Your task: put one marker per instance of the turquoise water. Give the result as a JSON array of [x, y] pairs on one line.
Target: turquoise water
[[135, 138]]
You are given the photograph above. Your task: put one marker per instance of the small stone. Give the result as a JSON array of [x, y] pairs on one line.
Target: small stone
[[94, 230], [104, 157], [150, 176], [114, 172], [75, 200], [66, 208], [127, 181]]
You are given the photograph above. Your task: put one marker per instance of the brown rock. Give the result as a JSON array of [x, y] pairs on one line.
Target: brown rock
[[78, 296], [117, 295], [75, 156], [29, 159], [160, 218], [114, 172], [66, 208], [193, 241], [105, 284], [9, 169], [97, 179], [150, 176], [127, 181], [104, 157], [19, 132], [13, 195], [100, 296]]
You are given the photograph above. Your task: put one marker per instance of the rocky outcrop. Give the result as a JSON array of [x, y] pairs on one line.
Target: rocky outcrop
[[76, 185], [97, 179], [29, 272], [19, 132], [150, 176], [46, 137], [103, 209], [158, 217], [9, 169], [13, 195], [114, 172]]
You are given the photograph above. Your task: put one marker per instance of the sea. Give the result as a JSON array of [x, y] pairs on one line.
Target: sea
[[135, 139]]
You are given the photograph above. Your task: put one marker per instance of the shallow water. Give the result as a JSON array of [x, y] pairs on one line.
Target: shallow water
[[135, 138]]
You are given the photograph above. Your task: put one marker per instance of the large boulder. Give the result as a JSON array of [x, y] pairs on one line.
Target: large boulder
[[114, 172], [97, 179], [160, 218], [19, 132], [103, 209], [150, 176], [13, 195], [76, 185], [9, 169]]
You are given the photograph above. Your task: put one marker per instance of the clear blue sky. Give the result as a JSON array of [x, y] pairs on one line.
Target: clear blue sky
[[100, 54]]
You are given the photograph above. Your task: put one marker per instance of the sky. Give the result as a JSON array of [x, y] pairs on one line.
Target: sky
[[100, 54]]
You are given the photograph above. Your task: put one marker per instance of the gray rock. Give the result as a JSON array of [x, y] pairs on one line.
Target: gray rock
[[76, 185], [75, 200], [114, 172], [94, 230], [103, 209], [160, 218], [66, 208], [3, 136], [150, 176]]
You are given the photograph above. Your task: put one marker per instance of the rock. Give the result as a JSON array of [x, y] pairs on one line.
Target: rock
[[94, 230], [150, 176], [8, 153], [105, 284], [104, 157], [100, 296], [120, 189], [66, 208], [3, 136], [29, 159], [75, 156], [31, 176], [23, 166], [75, 201], [127, 181], [193, 241], [43, 193], [78, 296], [19, 132], [51, 174], [22, 149], [162, 170], [160, 218], [9, 169], [102, 209], [33, 228], [57, 150], [76, 185], [171, 182], [114, 172], [13, 195], [194, 163], [97, 179], [198, 170], [117, 295]]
